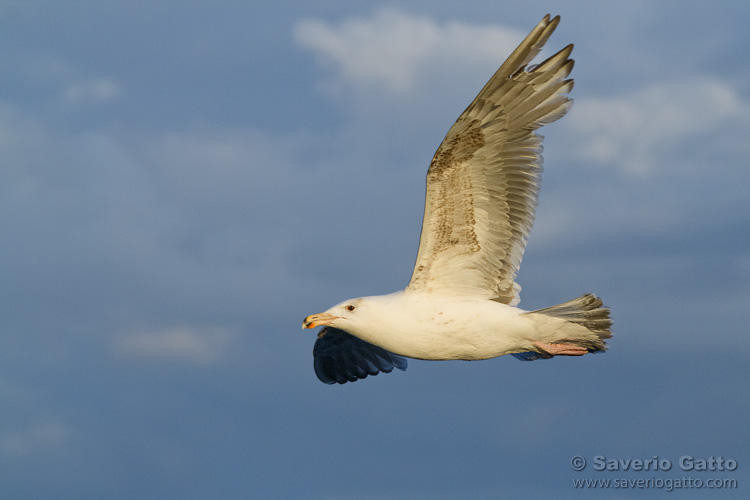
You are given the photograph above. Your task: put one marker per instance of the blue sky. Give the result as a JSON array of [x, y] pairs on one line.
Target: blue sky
[[182, 182]]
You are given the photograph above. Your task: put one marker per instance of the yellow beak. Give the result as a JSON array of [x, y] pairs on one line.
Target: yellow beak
[[317, 320]]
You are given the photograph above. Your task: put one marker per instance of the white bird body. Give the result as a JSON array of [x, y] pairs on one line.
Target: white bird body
[[440, 327], [437, 327], [482, 190]]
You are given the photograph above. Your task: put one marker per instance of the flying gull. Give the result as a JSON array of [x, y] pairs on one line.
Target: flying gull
[[482, 189]]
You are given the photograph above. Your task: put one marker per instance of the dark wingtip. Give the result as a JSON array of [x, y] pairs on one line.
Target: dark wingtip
[[340, 357]]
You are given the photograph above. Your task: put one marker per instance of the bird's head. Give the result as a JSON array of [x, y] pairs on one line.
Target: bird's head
[[339, 316]]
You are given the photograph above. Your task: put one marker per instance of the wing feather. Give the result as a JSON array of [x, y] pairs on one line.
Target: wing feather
[[483, 182], [340, 358]]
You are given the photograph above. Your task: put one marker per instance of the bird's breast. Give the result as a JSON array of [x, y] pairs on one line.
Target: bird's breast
[[437, 328]]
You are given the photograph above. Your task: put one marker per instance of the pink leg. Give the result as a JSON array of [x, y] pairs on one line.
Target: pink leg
[[561, 349]]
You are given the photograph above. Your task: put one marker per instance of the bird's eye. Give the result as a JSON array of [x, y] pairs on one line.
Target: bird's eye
[[350, 308]]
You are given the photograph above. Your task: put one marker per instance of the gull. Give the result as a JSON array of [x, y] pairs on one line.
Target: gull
[[482, 190]]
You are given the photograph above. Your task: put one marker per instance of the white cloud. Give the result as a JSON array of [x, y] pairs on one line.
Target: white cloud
[[36, 437], [185, 344], [74, 83], [641, 131], [93, 91], [393, 49]]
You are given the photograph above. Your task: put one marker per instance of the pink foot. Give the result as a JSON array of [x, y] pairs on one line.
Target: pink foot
[[561, 349]]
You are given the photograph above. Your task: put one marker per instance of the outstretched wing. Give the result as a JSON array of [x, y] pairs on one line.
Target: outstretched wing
[[341, 357], [484, 179]]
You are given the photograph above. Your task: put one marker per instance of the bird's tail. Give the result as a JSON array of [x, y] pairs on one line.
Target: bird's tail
[[587, 311]]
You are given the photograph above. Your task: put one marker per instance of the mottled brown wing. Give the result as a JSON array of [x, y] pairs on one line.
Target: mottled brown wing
[[483, 182]]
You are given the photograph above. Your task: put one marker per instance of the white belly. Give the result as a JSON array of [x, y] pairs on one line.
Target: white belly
[[426, 327]]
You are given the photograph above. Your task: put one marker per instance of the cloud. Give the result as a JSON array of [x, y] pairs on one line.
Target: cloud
[[187, 344], [93, 91], [72, 84], [394, 50], [640, 132], [39, 436]]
